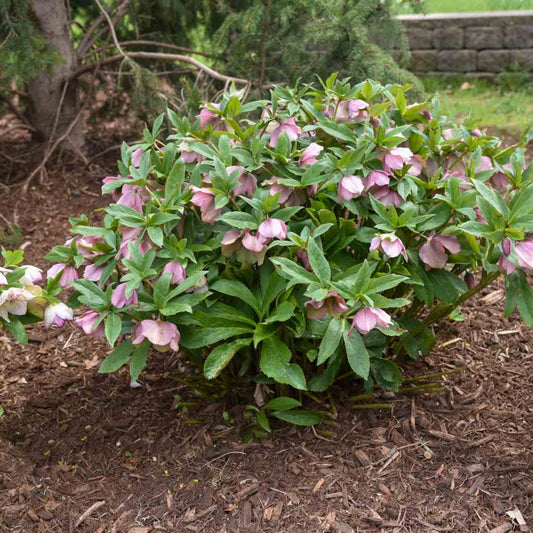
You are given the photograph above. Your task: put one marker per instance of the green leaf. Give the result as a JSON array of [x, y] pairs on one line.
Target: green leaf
[[156, 235], [357, 354], [237, 289], [221, 356], [239, 219], [117, 358], [525, 299], [174, 180], [200, 337], [384, 283], [262, 420], [281, 313], [292, 271], [16, 329], [113, 327], [12, 258], [161, 290], [331, 340], [318, 262], [282, 403], [299, 417], [263, 331], [138, 361], [387, 373], [274, 362]]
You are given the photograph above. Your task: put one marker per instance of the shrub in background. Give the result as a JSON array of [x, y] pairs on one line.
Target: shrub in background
[[295, 239]]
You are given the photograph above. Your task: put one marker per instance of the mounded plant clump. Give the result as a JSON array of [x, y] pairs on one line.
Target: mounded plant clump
[[295, 239]]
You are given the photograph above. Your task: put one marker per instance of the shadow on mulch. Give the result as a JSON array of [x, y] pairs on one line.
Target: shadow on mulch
[[84, 452]]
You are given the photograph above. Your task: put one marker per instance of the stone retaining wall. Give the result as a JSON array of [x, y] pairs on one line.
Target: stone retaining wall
[[481, 43]]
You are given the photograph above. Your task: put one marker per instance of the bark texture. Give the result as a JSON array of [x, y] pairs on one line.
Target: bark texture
[[45, 90]]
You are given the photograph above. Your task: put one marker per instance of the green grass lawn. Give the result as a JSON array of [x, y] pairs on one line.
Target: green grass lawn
[[502, 107], [450, 6]]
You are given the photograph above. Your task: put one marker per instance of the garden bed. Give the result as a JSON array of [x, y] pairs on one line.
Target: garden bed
[[83, 451]]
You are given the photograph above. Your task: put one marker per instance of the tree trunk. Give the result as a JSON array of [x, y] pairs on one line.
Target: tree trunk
[[46, 89]]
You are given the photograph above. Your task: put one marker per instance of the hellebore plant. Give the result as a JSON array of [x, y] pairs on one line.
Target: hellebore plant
[[23, 301], [296, 238]]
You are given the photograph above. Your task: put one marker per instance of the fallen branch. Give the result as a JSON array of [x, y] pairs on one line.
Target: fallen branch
[[88, 512]]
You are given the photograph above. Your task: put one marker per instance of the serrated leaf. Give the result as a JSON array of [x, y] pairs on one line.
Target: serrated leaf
[[221, 356], [357, 354], [318, 261], [138, 361], [331, 340], [117, 358]]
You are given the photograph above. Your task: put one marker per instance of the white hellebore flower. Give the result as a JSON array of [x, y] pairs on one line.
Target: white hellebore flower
[[14, 301], [57, 315]]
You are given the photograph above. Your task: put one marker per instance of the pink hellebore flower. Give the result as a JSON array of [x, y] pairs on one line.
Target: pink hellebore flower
[[230, 242], [376, 178], [349, 187], [524, 251], [189, 156], [87, 322], [207, 116], [247, 182], [253, 243], [287, 125], [161, 334], [433, 252], [136, 157], [57, 315], [389, 244], [32, 275], [348, 110], [485, 163], [333, 304], [310, 155], [272, 228], [387, 196], [14, 300], [124, 249], [93, 273], [205, 199], [109, 179], [119, 298], [366, 319], [133, 196], [287, 195], [503, 263], [3, 279], [177, 270], [68, 275], [396, 158]]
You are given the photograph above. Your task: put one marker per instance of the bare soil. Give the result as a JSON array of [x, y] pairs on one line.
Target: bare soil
[[84, 452]]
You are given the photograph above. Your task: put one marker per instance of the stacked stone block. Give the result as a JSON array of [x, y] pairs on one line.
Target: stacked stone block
[[482, 43]]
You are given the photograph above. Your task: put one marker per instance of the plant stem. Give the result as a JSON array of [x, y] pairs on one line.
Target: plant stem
[[440, 311]]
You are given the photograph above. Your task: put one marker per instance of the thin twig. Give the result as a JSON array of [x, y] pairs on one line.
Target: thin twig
[[150, 43], [88, 512], [51, 151], [87, 42], [169, 57], [111, 28], [220, 457]]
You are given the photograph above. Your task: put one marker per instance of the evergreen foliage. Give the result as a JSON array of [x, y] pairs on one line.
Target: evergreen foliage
[[281, 40]]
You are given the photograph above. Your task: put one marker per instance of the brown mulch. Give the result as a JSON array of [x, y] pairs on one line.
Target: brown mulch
[[84, 452]]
